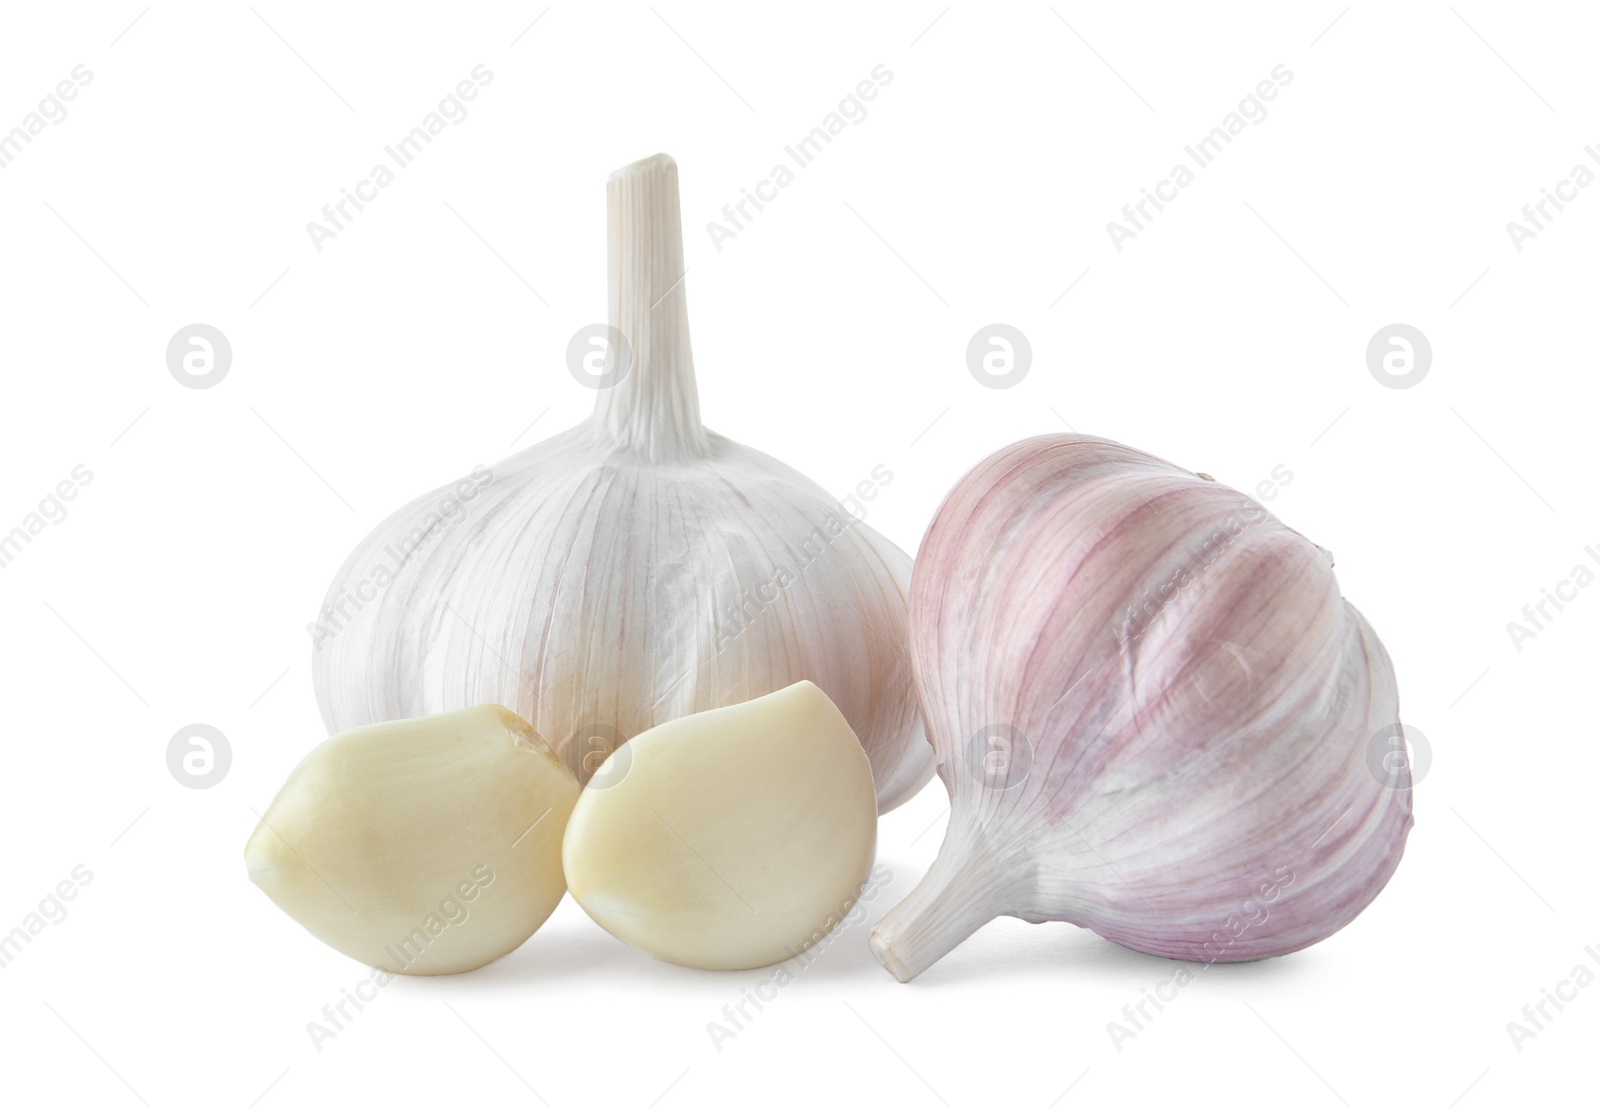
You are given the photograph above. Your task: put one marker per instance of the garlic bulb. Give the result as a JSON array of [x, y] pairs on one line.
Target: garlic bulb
[[424, 846], [634, 569], [734, 838], [1153, 711]]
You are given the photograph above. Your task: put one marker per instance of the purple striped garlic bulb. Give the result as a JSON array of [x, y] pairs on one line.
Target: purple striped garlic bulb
[[634, 569], [1155, 715]]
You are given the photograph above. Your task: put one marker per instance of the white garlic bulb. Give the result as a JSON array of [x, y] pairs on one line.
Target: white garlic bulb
[[634, 569], [734, 838], [1154, 712]]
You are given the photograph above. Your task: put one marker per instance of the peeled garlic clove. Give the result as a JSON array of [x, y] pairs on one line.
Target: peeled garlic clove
[[1154, 712], [631, 570], [728, 839], [422, 846]]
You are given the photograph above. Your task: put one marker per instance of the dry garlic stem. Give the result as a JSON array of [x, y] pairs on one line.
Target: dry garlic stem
[[422, 846], [1154, 712], [729, 839], [634, 569]]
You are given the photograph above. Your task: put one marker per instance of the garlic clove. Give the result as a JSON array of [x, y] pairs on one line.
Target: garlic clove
[[423, 846], [633, 569], [728, 839]]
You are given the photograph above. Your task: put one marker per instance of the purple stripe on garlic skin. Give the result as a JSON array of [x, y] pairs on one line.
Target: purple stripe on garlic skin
[[1190, 779]]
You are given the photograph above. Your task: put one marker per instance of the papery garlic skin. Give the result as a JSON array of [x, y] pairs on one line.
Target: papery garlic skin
[[424, 846], [729, 839], [1152, 709], [632, 570]]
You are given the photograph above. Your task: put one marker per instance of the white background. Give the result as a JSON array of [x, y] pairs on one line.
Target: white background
[[1228, 337]]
